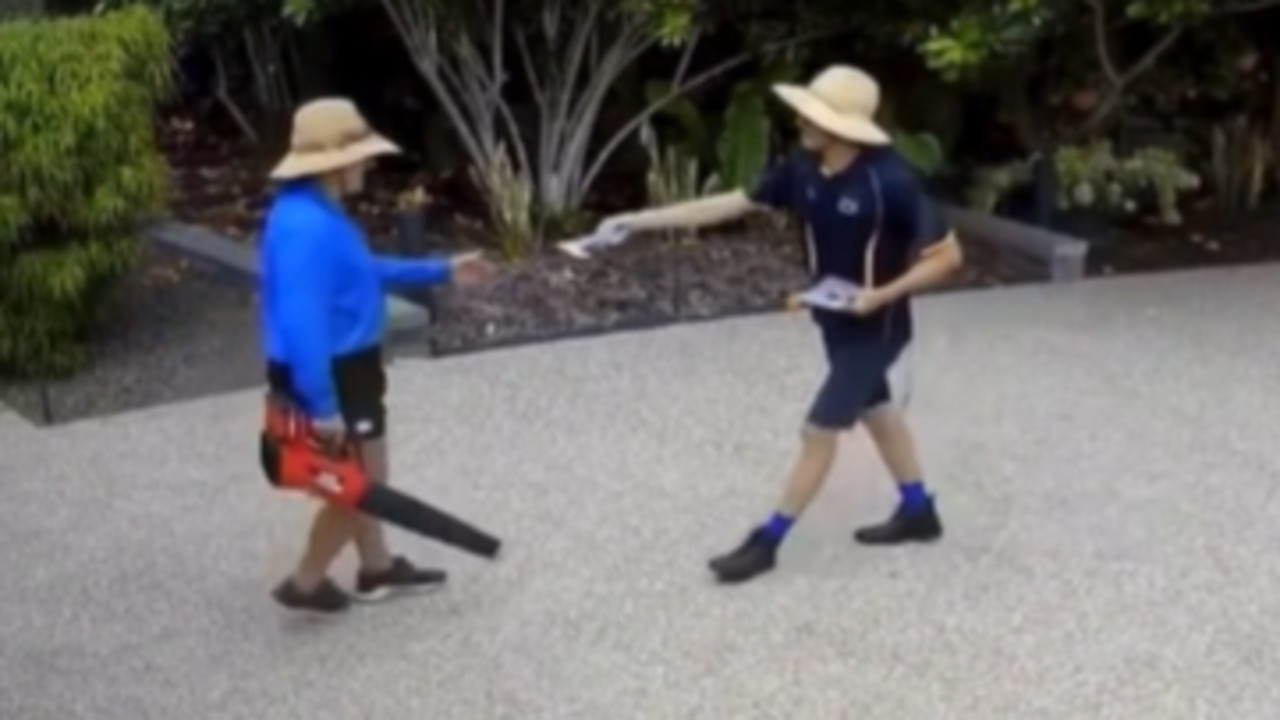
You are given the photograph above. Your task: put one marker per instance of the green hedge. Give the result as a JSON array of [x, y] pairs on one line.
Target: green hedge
[[79, 169]]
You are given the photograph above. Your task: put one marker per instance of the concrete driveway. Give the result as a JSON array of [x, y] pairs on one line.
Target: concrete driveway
[[1105, 456]]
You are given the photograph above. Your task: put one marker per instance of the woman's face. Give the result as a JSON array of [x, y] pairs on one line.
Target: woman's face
[[352, 178]]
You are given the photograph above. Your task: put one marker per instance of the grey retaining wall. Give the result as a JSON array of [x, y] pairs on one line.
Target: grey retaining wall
[[406, 321], [1050, 255]]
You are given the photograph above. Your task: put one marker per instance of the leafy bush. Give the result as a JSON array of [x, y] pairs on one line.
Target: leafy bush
[[923, 150], [81, 168], [674, 175], [512, 212], [1094, 179]]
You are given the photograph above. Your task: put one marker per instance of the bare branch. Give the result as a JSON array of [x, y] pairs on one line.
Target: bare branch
[[536, 81], [554, 130], [224, 97], [416, 33], [686, 57], [484, 95], [1101, 41], [630, 44], [498, 67], [700, 79], [1116, 94]]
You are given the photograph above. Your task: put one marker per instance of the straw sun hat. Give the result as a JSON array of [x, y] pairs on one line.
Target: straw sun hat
[[329, 134], [841, 100]]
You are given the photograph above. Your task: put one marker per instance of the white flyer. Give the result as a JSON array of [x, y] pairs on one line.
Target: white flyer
[[831, 293], [583, 247]]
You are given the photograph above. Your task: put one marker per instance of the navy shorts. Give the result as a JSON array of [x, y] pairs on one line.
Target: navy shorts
[[862, 374]]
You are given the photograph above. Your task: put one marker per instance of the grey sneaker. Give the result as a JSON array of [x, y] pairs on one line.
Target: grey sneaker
[[325, 598], [402, 576]]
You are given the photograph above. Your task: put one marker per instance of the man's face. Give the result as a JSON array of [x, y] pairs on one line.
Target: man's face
[[813, 138], [353, 177]]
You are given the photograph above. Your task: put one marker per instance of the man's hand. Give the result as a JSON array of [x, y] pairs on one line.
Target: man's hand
[[794, 302], [614, 225], [610, 232], [868, 301], [471, 269], [329, 433]]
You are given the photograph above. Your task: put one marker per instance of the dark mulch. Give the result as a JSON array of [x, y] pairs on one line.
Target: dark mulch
[[1207, 239], [647, 282]]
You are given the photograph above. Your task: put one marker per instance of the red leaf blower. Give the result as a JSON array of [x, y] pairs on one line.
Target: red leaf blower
[[295, 458]]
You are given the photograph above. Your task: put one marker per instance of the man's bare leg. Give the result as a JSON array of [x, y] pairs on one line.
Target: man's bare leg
[[808, 474], [370, 540], [382, 573], [309, 587], [887, 425], [916, 518], [331, 530]]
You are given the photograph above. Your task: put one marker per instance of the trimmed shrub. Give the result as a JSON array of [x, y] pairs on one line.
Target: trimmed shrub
[[79, 170]]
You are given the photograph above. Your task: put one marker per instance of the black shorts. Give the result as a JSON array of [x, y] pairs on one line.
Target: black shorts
[[862, 374], [359, 379]]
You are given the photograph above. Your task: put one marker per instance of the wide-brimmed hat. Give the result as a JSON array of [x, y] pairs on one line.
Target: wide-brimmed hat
[[841, 100], [329, 134]]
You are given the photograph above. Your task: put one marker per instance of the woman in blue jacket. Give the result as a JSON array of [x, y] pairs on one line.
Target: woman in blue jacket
[[322, 321]]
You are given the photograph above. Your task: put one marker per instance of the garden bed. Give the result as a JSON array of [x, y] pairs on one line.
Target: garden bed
[[1207, 239], [182, 332], [651, 281]]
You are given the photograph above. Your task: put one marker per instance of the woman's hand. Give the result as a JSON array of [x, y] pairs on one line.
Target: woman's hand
[[471, 269]]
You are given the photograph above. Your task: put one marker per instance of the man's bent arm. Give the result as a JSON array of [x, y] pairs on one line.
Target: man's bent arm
[[713, 210], [938, 262]]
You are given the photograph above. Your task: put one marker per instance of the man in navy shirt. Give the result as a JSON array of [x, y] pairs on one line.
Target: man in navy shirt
[[867, 221]]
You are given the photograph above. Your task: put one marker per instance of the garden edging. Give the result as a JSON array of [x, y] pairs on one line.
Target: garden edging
[[1061, 258], [405, 320], [415, 321]]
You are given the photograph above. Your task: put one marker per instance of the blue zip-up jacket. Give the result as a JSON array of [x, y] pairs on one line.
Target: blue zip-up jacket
[[322, 292]]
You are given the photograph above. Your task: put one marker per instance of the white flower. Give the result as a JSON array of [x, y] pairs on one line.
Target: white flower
[[1082, 195]]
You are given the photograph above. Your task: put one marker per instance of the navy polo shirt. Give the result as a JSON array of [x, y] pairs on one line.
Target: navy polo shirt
[[866, 224]]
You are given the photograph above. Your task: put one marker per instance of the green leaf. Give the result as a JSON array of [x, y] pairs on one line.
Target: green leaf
[[922, 150], [743, 149]]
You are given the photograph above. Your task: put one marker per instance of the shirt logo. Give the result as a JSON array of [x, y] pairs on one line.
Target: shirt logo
[[811, 192], [848, 207]]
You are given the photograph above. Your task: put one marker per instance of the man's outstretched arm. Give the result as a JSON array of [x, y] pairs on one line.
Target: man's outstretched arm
[[773, 191], [713, 210]]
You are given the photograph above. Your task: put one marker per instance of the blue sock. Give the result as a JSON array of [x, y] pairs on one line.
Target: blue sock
[[777, 527], [913, 494]]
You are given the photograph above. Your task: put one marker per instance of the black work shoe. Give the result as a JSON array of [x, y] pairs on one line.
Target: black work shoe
[[325, 598], [907, 525], [757, 555], [401, 576]]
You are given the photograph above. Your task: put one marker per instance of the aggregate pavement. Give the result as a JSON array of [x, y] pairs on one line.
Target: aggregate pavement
[[1103, 453]]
